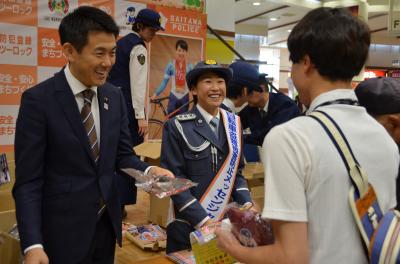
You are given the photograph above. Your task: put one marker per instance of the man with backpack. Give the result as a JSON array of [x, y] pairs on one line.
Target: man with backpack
[[307, 184]]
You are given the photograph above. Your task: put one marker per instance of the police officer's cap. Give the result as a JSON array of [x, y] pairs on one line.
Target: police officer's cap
[[149, 17], [245, 74], [379, 96], [207, 66]]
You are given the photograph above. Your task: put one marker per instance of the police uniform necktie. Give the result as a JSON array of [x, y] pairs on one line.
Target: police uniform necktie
[[88, 122], [214, 122]]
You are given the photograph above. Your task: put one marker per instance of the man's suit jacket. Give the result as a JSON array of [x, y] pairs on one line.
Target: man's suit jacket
[[280, 109], [196, 166], [58, 183]]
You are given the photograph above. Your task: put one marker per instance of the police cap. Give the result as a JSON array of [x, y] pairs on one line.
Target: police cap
[[149, 17], [245, 74], [207, 66]]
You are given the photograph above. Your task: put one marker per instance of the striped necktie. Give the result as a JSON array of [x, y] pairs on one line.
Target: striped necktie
[[88, 122], [214, 122]]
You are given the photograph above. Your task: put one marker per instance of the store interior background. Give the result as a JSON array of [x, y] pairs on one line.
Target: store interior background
[[258, 31]]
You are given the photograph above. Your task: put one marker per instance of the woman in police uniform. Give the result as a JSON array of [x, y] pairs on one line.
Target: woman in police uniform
[[203, 145]]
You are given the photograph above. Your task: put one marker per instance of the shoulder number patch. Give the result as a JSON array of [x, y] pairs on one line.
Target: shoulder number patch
[[141, 59]]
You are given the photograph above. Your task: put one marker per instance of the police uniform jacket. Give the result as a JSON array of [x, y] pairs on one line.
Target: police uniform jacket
[[280, 109], [197, 166], [130, 68]]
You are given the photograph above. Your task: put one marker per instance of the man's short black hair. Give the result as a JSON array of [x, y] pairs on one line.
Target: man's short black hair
[[182, 44], [137, 26], [336, 41], [234, 90], [76, 26]]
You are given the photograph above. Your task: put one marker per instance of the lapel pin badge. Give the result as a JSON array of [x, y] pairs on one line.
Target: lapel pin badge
[[106, 103]]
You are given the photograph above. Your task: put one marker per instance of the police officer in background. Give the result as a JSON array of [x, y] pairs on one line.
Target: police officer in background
[[264, 110], [196, 145], [130, 73], [381, 98]]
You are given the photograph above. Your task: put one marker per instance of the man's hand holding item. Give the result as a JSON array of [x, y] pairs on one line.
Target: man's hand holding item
[[158, 171]]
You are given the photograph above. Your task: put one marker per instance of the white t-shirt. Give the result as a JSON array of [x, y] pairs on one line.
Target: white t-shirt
[[306, 180]]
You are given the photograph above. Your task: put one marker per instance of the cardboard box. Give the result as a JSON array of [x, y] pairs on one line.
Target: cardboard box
[[257, 195], [253, 172], [6, 199], [10, 251], [150, 152], [159, 210]]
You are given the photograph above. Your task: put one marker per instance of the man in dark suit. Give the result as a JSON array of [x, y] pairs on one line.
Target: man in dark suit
[[71, 135], [264, 110], [203, 145]]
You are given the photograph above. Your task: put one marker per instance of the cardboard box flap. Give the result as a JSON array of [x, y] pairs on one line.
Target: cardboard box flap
[[7, 220], [150, 150]]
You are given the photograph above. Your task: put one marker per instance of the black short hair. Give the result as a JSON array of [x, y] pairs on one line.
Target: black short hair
[[76, 26], [182, 43], [137, 26], [336, 41], [234, 90]]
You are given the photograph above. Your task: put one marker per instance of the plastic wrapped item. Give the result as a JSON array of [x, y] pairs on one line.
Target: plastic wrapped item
[[248, 226], [14, 232], [161, 186], [147, 237]]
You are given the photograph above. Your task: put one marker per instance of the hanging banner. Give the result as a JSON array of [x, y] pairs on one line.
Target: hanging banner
[[30, 49], [394, 18]]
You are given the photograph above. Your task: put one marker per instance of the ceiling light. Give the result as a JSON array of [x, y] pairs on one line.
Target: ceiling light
[[273, 18], [289, 30], [256, 3]]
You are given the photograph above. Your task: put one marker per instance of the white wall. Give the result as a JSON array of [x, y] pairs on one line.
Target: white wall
[[221, 14], [383, 55], [248, 46]]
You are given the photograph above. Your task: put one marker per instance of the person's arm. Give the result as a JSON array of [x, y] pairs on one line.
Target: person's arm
[[186, 205], [126, 157], [138, 73], [285, 204], [30, 148], [291, 245], [167, 75]]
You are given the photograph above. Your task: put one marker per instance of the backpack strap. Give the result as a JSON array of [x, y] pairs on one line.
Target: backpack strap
[[357, 175]]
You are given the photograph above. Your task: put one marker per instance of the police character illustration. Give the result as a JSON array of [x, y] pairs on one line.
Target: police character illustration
[[203, 145], [130, 73], [130, 15]]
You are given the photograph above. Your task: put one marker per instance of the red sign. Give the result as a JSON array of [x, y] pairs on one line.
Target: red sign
[[368, 74]]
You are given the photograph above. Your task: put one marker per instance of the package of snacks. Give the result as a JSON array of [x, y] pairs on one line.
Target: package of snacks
[[161, 186], [248, 226]]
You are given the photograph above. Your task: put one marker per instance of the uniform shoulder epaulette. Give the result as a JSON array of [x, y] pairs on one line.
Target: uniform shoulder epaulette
[[185, 117]]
